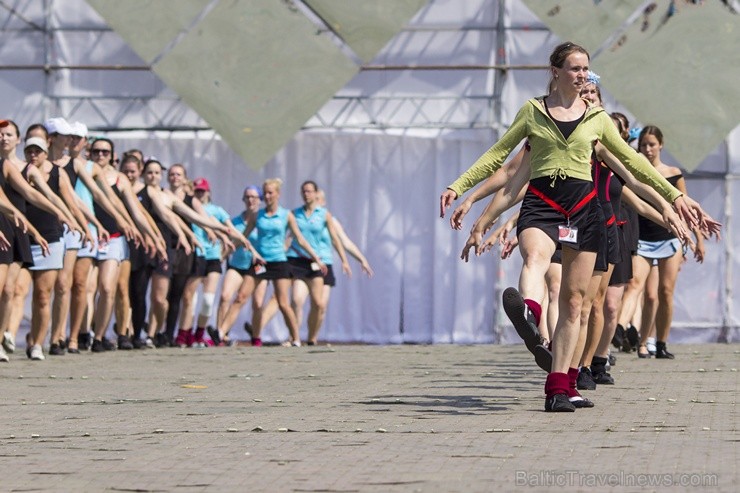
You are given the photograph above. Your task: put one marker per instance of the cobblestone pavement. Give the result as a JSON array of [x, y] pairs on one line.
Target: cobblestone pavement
[[363, 418]]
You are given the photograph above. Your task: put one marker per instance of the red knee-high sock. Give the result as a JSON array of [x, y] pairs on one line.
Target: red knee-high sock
[[535, 308], [556, 383], [572, 378]]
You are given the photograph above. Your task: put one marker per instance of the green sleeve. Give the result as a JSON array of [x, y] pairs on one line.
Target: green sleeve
[[494, 157], [636, 163]]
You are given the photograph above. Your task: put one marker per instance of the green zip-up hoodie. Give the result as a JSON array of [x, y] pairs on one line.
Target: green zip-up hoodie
[[555, 157]]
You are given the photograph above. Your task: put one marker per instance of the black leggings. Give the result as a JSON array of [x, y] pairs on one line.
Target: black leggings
[[138, 283], [174, 296]]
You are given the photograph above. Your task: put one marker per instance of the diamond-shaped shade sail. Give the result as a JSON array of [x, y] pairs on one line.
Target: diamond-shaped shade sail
[[255, 70], [366, 26], [586, 22], [149, 26]]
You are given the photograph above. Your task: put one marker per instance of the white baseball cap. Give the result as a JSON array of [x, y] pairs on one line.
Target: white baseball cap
[[58, 126], [78, 129], [38, 142]]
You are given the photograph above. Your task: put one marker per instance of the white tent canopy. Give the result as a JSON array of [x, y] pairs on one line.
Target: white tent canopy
[[383, 148]]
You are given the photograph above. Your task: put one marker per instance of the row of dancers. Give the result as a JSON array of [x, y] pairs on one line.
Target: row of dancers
[[93, 235]]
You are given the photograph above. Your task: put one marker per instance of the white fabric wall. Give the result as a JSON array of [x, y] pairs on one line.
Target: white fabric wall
[[385, 190], [383, 186]]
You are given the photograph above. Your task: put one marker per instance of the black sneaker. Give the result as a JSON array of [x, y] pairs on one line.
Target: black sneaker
[[161, 340], [603, 378], [83, 341], [632, 338], [585, 380], [125, 343], [559, 403], [100, 346], [56, 349], [661, 351], [580, 402], [619, 336], [138, 343], [543, 357], [214, 335], [522, 318], [612, 359]]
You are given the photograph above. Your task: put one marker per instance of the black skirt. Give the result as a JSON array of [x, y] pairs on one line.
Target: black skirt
[[568, 193]]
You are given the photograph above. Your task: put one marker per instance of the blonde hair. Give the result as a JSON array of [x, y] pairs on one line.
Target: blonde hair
[[275, 182]]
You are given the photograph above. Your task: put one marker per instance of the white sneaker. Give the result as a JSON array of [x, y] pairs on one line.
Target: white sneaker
[[650, 344], [37, 353], [150, 343], [8, 342], [296, 343], [3, 356]]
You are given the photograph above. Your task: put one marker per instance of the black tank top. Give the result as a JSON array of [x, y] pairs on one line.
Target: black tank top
[[649, 231], [70, 169], [106, 219], [566, 128], [608, 188], [146, 202], [189, 202], [15, 198], [5, 224], [46, 223]]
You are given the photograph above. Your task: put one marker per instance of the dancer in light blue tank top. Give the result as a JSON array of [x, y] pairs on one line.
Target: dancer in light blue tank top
[[317, 226], [272, 224], [240, 278]]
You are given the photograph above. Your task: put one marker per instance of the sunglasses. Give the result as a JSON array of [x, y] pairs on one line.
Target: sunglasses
[[104, 152]]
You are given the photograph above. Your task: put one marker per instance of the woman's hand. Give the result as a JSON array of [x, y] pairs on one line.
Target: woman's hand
[[508, 247], [446, 200], [672, 221], [459, 213], [40, 241], [474, 241], [103, 235], [492, 239], [19, 220], [367, 269]]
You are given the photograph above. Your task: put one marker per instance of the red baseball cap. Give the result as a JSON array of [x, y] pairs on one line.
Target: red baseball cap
[[201, 184]]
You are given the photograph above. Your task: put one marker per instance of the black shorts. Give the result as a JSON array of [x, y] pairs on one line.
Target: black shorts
[[198, 267], [329, 279], [165, 268], [609, 251], [622, 272], [276, 270], [6, 256], [630, 229], [182, 263], [241, 272], [302, 268], [589, 219], [138, 257], [20, 247], [213, 265]]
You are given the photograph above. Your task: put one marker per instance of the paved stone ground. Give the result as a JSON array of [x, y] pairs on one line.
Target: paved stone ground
[[363, 418]]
